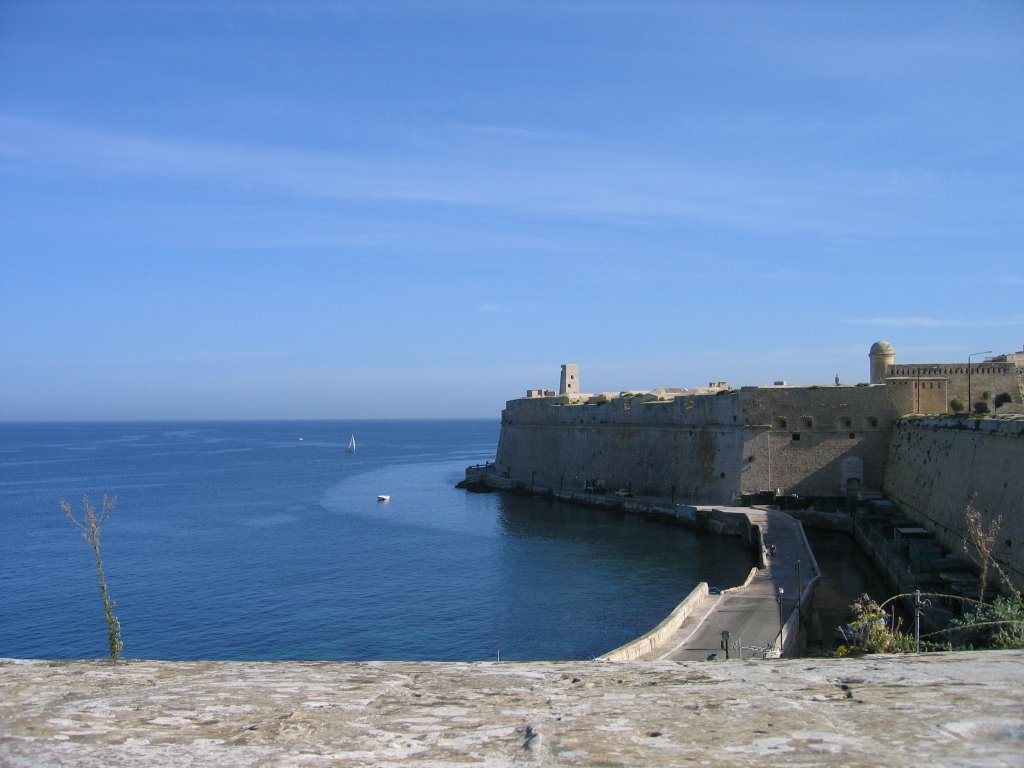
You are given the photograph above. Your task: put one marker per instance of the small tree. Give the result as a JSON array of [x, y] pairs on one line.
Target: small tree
[[1002, 399], [957, 405], [982, 543], [999, 624], [90, 525]]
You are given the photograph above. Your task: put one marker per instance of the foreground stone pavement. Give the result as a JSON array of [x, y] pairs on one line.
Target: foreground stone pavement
[[942, 709]]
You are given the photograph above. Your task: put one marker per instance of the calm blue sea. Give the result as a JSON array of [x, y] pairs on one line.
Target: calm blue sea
[[264, 540]]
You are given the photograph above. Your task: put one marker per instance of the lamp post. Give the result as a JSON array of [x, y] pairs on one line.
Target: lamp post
[[970, 404], [778, 599], [919, 605], [799, 594]]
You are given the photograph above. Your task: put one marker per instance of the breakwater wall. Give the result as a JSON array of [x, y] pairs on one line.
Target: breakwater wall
[[937, 466], [655, 638]]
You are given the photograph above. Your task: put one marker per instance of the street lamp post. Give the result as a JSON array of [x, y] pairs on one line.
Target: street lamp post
[[778, 598], [970, 404], [799, 594]]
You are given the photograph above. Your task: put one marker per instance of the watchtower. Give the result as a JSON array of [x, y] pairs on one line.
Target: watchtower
[[570, 381], [882, 357]]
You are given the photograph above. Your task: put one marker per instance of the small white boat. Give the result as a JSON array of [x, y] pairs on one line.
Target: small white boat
[[351, 444], [383, 497]]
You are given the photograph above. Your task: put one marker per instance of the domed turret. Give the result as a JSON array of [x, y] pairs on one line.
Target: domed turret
[[882, 356]]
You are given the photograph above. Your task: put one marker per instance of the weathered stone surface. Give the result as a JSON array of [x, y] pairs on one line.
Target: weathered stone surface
[[938, 466], [942, 709]]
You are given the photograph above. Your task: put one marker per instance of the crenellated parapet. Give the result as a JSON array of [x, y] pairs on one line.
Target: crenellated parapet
[[976, 383]]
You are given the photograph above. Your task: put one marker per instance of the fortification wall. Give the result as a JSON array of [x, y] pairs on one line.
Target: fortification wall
[[705, 449], [683, 449], [818, 440], [992, 377], [937, 466]]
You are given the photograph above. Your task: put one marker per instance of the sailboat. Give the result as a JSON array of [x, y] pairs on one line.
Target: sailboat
[[351, 444]]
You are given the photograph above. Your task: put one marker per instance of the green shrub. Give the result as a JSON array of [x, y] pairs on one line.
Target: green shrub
[[996, 625], [870, 632]]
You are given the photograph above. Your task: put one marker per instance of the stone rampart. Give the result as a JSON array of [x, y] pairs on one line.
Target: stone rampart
[[687, 448], [818, 440], [987, 377], [703, 449], [938, 466]]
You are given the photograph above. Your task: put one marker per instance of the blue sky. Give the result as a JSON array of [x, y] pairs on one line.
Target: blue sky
[[316, 209]]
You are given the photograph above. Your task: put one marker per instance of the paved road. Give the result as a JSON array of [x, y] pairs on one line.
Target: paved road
[[750, 614]]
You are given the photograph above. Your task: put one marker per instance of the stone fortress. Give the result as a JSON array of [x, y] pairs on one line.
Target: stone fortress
[[893, 435]]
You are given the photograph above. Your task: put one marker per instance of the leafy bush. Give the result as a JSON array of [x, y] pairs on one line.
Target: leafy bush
[[999, 624], [871, 633], [957, 405]]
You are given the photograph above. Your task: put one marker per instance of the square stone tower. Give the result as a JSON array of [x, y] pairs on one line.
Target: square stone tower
[[570, 381]]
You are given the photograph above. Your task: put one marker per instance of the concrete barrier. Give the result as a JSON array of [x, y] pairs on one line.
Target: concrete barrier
[[634, 649], [744, 585]]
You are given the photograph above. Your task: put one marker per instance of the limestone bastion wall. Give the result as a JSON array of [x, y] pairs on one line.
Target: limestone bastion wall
[[704, 449], [820, 440], [937, 466], [683, 449]]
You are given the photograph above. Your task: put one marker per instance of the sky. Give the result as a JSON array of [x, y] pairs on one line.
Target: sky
[[213, 209]]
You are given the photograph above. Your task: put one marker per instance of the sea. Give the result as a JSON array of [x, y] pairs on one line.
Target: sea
[[265, 540]]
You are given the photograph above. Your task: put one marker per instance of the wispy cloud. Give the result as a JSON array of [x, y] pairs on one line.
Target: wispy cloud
[[506, 175], [514, 132], [937, 322], [492, 309]]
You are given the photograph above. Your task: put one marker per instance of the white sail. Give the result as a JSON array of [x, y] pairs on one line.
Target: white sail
[[352, 444]]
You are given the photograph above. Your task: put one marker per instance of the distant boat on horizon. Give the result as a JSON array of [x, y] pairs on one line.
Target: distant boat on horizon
[[351, 444]]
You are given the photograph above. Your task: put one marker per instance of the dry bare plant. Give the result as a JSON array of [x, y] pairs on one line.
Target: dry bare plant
[[981, 545], [90, 524]]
